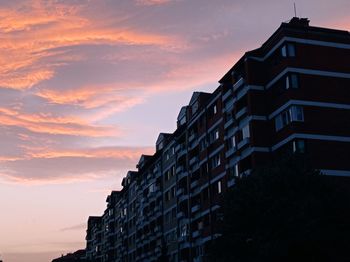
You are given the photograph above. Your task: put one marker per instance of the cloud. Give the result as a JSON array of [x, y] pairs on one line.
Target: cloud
[[75, 227], [152, 2], [42, 166], [56, 125]]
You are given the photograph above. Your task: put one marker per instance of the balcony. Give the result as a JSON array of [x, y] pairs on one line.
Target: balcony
[[231, 182], [180, 215], [229, 123], [227, 94], [182, 175], [193, 144], [195, 234], [241, 112], [230, 152], [179, 169], [179, 191], [231, 132], [194, 184], [182, 151], [192, 137], [244, 142], [193, 160], [228, 105], [195, 208], [238, 84], [183, 197]]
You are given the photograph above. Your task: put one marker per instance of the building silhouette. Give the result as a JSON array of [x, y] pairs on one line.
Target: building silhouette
[[290, 95]]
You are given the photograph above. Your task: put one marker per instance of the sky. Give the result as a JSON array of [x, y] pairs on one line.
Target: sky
[[86, 86]]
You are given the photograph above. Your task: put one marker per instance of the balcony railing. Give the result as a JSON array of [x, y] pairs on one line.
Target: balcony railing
[[241, 112], [238, 84], [195, 208]]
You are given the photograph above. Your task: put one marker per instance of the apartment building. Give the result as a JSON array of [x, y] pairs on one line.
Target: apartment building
[[290, 95]]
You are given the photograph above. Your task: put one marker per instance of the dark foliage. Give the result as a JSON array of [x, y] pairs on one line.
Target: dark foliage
[[286, 212]]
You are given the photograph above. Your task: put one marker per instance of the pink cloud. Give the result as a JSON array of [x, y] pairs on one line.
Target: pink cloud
[[152, 2], [47, 166]]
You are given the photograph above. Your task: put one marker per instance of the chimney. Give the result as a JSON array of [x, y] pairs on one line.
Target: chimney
[[297, 21]]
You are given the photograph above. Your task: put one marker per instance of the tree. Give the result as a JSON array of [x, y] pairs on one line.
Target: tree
[[286, 212]]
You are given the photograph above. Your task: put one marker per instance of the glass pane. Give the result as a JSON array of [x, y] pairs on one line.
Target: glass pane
[[291, 50]]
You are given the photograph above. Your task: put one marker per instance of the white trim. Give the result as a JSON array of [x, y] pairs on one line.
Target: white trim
[[311, 136], [306, 72], [301, 41], [330, 172], [308, 103]]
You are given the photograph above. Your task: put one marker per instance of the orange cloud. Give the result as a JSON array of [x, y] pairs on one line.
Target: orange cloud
[[76, 165], [46, 123], [31, 36], [105, 152], [152, 2]]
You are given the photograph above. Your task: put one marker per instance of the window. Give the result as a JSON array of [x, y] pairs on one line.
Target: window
[[184, 230], [215, 161], [245, 132], [299, 146], [152, 188], [170, 173], [288, 50], [292, 81], [203, 144], [232, 142], [296, 113], [215, 110], [214, 135], [236, 170], [219, 187], [293, 114]]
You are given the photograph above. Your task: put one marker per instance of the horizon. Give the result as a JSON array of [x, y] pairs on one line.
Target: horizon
[[82, 84]]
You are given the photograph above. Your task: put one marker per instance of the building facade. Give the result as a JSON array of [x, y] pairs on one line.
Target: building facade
[[290, 95]]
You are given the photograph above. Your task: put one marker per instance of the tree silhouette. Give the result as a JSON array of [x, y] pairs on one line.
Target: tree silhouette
[[286, 212]]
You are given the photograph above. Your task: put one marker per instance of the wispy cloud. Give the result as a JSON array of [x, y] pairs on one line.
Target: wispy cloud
[[44, 166], [75, 227]]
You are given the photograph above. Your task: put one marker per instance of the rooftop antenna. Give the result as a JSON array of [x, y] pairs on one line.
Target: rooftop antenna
[[295, 10]]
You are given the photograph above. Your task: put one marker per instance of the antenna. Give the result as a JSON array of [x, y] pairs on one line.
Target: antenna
[[295, 10]]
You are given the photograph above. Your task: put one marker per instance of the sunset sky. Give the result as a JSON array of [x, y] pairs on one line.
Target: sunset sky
[[87, 85]]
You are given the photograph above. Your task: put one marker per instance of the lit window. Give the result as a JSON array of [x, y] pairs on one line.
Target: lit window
[[215, 110], [232, 142], [219, 187], [215, 161], [236, 170], [217, 134]]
